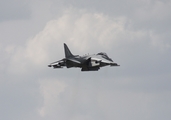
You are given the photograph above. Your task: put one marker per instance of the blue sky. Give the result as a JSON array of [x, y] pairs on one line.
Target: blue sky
[[135, 34]]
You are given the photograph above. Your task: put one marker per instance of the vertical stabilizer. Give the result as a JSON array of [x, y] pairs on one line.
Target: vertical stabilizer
[[67, 51]]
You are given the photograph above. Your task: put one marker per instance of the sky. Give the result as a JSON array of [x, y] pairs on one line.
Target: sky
[[134, 33]]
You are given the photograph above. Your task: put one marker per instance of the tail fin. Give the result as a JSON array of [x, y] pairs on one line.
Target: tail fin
[[67, 51]]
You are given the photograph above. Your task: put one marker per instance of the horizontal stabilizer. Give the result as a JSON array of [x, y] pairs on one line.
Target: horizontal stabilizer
[[57, 64]]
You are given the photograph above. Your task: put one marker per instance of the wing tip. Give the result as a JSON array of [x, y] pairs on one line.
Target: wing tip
[[49, 65]]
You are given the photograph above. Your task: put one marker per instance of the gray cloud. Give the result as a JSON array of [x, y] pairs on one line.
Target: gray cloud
[[152, 15], [138, 89], [14, 10]]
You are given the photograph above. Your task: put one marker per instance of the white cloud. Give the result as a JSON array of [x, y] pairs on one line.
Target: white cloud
[[101, 99], [80, 30], [86, 32], [139, 88], [50, 90]]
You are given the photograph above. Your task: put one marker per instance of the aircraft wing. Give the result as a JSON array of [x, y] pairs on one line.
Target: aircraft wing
[[73, 60], [58, 64]]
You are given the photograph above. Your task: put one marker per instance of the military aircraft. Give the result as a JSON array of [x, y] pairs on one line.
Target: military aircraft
[[86, 62]]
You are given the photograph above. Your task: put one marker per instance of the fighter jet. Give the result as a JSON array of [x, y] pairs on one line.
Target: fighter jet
[[86, 62]]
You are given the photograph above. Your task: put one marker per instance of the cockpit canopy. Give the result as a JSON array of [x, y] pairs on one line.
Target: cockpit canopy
[[104, 55]]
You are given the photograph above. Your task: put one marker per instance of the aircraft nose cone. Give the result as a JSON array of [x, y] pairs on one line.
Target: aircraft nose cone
[[114, 64]]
